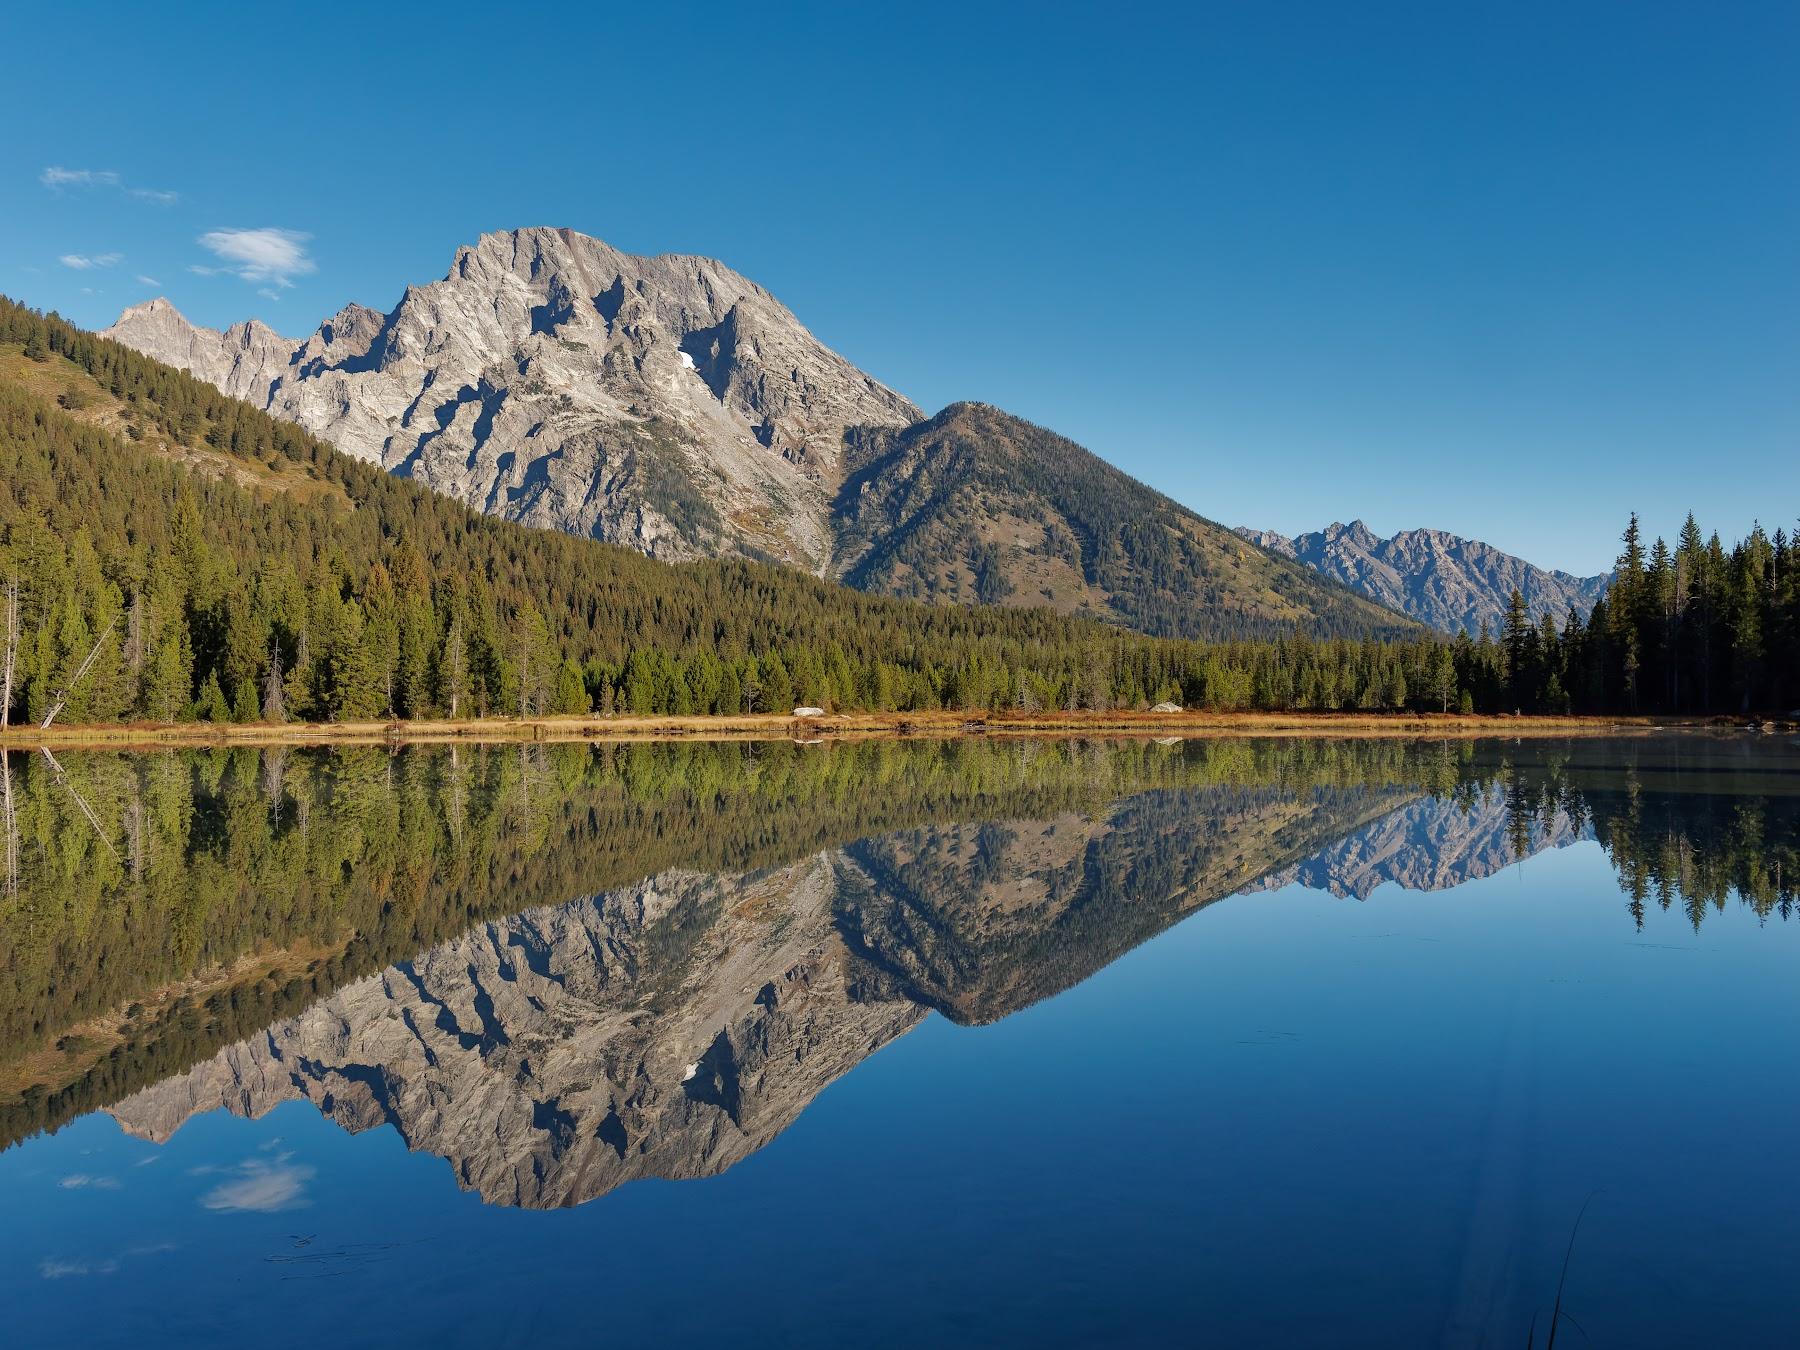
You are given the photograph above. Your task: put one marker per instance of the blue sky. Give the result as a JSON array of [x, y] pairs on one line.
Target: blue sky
[[1511, 271]]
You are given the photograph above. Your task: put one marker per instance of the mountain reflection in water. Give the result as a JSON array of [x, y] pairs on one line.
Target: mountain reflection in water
[[566, 968]]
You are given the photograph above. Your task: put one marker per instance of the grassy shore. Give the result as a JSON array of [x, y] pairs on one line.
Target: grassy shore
[[785, 726]]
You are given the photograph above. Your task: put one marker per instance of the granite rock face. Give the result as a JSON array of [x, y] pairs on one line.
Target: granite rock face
[[667, 1030], [665, 403], [244, 361], [1453, 584]]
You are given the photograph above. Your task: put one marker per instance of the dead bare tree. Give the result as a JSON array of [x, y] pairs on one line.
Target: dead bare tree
[[75, 792], [12, 827], [6, 686], [12, 650], [274, 698], [62, 695]]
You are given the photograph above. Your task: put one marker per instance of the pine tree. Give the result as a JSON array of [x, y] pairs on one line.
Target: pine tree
[[571, 691], [210, 705], [1516, 640], [244, 706]]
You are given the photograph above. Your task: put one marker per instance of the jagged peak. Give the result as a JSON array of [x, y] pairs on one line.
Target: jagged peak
[[504, 246], [256, 328], [162, 310], [155, 308], [1445, 579]]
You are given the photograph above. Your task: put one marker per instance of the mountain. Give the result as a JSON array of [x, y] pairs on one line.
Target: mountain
[[666, 403], [976, 505], [1453, 584], [238, 567], [673, 1027], [669, 1029], [673, 406], [1433, 844]]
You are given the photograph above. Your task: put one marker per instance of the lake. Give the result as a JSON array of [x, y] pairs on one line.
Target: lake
[[1237, 1042]]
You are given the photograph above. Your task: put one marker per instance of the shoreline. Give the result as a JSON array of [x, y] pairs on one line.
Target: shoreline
[[933, 724]]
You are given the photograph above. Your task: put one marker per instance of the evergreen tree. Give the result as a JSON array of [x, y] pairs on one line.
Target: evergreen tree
[[210, 705]]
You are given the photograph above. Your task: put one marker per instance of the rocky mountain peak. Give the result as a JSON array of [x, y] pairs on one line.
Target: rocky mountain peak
[[1355, 534], [1452, 583], [664, 402], [243, 360], [670, 404]]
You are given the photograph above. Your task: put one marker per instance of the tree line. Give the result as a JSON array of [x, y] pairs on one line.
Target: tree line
[[219, 565], [1693, 629]]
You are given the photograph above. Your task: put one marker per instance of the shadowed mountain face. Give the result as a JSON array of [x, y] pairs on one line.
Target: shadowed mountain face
[[978, 506], [399, 932], [1453, 584]]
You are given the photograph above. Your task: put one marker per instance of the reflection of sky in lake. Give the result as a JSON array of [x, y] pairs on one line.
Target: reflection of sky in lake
[[1290, 1119]]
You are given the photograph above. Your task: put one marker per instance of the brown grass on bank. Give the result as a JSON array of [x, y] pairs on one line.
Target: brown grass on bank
[[785, 726]]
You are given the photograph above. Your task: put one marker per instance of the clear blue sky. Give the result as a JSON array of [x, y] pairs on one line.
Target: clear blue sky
[[1512, 270]]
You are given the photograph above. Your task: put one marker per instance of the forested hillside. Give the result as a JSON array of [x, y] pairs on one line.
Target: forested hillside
[[241, 569], [978, 506], [223, 566]]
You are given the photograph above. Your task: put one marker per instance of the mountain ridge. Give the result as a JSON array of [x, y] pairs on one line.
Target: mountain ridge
[[669, 404], [1448, 581], [976, 505]]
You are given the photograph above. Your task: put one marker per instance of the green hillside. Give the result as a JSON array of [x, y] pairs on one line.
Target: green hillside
[[234, 567], [978, 506]]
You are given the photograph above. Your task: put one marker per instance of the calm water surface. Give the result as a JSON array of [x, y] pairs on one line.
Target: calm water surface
[[1216, 1042]]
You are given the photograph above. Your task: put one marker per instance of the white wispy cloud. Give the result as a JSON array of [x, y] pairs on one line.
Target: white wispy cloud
[[57, 179], [62, 1270], [271, 256], [83, 262], [80, 1180], [147, 281], [262, 1187]]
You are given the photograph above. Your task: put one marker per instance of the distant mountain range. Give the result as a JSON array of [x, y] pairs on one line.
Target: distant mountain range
[[669, 404], [1432, 844], [1446, 581]]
